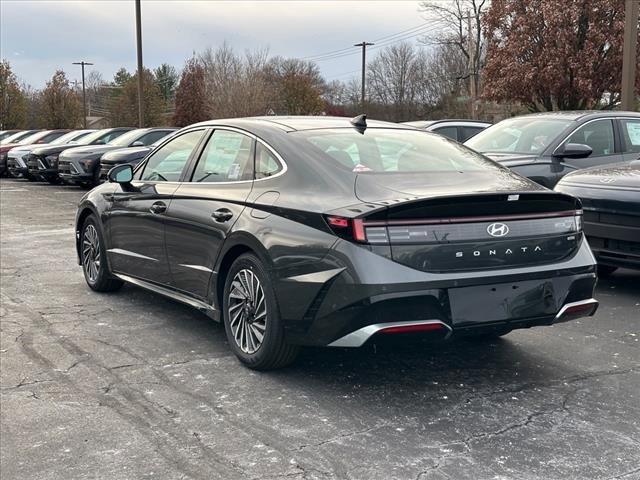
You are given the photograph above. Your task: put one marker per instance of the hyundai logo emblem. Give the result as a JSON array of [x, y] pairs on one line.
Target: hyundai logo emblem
[[497, 229]]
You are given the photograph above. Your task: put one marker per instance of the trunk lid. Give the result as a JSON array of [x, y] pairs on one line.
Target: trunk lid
[[468, 222]]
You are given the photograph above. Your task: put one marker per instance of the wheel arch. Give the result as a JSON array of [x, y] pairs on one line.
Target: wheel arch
[[233, 247], [84, 210]]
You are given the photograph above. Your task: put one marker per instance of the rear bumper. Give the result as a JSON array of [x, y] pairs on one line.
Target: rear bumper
[[363, 300]]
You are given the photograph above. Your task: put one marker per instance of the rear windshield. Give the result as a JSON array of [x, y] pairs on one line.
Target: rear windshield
[[393, 150]]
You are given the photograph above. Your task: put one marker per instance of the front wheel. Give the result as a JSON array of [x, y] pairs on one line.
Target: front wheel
[[94, 258], [252, 320]]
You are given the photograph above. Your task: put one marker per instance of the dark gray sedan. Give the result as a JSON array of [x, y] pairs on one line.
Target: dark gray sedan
[[546, 146]]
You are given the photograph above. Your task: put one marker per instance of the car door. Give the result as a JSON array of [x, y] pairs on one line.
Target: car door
[[135, 219], [599, 135], [630, 134], [205, 208]]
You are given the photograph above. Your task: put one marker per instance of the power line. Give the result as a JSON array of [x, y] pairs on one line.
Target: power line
[[432, 27], [417, 30]]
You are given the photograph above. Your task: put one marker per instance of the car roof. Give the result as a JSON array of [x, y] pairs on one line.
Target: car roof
[[297, 123], [582, 114]]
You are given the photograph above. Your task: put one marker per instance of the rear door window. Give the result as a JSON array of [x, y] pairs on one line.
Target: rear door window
[[631, 135], [466, 133], [227, 157], [450, 132]]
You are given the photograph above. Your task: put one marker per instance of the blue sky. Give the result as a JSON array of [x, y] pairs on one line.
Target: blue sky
[[38, 36]]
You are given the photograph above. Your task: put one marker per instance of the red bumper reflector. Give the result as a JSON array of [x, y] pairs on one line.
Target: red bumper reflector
[[419, 327]]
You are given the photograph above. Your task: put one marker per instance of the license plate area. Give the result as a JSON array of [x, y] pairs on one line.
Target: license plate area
[[503, 301]]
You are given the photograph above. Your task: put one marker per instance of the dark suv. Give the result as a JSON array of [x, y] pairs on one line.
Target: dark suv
[[43, 161], [546, 146], [81, 166]]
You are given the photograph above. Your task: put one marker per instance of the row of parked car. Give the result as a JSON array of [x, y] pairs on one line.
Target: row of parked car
[[80, 157]]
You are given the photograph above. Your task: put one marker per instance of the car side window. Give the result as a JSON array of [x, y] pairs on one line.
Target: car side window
[[226, 158], [167, 162], [598, 135], [152, 137], [110, 136], [468, 132], [451, 132], [266, 163], [631, 135]]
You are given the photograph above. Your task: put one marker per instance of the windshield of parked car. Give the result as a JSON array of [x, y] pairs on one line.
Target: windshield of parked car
[[393, 150], [67, 137], [524, 135], [15, 137], [34, 137], [126, 139]]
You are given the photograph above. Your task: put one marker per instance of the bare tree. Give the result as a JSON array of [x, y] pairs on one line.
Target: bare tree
[[455, 17], [397, 79]]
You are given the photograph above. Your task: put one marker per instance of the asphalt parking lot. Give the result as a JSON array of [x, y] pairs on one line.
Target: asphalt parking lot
[[133, 386]]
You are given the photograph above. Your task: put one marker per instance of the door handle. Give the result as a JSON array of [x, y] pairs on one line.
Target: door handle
[[158, 207], [222, 215]]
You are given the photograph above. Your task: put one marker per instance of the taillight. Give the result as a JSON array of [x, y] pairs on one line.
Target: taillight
[[348, 228], [578, 218]]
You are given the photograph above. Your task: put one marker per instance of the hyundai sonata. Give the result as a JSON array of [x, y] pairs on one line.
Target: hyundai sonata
[[328, 231]]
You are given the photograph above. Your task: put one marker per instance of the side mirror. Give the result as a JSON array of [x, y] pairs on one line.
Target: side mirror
[[122, 174], [137, 143], [573, 150]]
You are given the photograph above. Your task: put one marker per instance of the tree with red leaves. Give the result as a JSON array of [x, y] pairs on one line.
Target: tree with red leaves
[[555, 54], [191, 99]]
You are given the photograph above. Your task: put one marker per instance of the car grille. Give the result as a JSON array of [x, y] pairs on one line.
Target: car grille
[[64, 167], [32, 163]]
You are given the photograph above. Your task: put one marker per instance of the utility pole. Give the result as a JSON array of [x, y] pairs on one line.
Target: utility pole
[[84, 93], [629, 54], [472, 67], [364, 46], [140, 80]]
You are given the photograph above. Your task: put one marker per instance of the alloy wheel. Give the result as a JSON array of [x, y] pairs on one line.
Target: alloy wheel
[[247, 311], [91, 253]]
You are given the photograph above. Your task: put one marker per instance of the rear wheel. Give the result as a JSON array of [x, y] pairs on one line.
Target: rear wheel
[[252, 320], [94, 258]]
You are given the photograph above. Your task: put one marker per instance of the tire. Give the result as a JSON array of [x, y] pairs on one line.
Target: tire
[[93, 257], [606, 270], [247, 290]]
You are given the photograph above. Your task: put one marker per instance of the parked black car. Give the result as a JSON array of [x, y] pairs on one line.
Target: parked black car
[[16, 162], [611, 200], [81, 165], [546, 146], [43, 161], [324, 231], [130, 155], [460, 130], [8, 143]]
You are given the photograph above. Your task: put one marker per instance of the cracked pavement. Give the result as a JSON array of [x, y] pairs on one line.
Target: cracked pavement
[[134, 386]]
